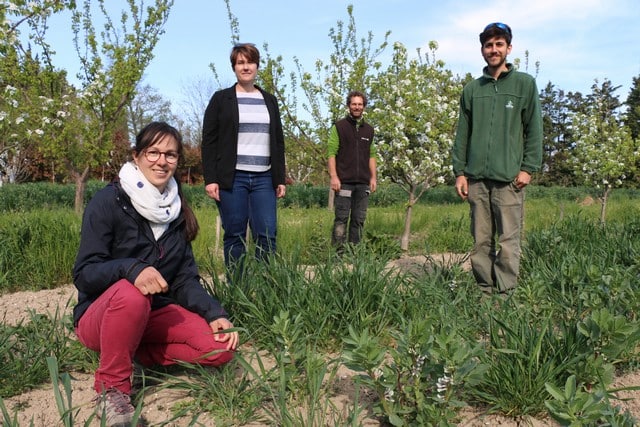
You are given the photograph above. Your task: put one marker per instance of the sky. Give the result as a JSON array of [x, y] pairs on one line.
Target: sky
[[574, 41]]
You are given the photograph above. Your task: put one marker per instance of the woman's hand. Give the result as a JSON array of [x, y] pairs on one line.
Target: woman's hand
[[281, 191], [150, 282], [213, 191], [231, 338]]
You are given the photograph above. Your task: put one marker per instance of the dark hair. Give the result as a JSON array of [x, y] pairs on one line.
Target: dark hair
[[496, 29], [356, 93], [150, 135], [248, 50]]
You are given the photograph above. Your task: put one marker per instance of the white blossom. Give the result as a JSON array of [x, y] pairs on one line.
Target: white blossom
[[377, 373], [388, 394], [443, 384]]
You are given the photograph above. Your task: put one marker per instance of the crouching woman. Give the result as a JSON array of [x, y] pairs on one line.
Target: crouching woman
[[139, 290]]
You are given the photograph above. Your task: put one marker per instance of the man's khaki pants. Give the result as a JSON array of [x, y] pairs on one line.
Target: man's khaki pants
[[497, 210]]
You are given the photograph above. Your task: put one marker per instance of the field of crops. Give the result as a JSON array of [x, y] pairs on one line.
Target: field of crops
[[421, 345]]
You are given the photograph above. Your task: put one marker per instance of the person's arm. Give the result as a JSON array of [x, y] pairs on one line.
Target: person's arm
[[278, 159], [333, 175], [210, 140], [95, 268], [373, 182], [373, 167], [333, 143], [463, 132], [280, 148], [459, 150], [187, 290], [533, 132]]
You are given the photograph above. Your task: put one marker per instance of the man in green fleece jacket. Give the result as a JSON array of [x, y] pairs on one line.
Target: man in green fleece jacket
[[498, 146]]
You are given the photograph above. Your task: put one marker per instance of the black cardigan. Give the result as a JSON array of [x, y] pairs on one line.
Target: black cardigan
[[220, 138]]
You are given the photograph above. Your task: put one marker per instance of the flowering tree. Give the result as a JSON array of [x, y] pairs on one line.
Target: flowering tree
[[414, 110], [604, 154], [29, 106], [28, 113], [110, 72], [112, 64]]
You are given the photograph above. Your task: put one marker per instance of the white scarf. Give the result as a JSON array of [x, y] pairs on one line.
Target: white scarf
[[159, 208]]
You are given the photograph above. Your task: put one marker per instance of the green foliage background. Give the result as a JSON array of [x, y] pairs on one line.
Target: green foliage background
[[39, 231]]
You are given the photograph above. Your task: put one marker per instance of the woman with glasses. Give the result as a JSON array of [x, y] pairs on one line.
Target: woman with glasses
[[243, 158], [139, 291]]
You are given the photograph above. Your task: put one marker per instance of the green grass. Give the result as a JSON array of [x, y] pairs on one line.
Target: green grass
[[38, 246], [37, 249], [422, 340], [25, 347]]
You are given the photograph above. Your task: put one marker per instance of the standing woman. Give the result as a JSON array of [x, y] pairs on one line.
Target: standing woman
[[243, 158], [139, 292]]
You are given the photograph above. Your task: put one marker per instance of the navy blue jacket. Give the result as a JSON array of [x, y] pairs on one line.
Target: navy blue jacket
[[220, 138], [116, 242]]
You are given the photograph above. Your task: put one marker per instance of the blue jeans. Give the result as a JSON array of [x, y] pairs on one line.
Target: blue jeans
[[250, 202], [351, 205]]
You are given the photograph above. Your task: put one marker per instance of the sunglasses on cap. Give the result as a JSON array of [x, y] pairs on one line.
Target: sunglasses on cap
[[500, 25]]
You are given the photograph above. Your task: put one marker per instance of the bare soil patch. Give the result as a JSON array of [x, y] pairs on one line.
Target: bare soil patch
[[39, 405]]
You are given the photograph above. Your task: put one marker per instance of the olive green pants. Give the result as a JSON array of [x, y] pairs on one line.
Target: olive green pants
[[497, 210]]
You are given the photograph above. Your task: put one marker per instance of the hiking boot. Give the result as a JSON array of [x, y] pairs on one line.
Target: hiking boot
[[114, 407]]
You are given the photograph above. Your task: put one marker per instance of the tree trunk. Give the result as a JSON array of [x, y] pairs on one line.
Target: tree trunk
[[603, 208], [404, 240], [81, 181], [332, 197]]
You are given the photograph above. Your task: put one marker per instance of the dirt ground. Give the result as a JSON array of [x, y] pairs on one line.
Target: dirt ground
[[39, 405]]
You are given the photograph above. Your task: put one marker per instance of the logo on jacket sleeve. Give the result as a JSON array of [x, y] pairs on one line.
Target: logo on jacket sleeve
[[509, 105]]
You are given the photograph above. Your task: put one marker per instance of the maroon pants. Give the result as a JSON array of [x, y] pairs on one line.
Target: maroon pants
[[120, 325]]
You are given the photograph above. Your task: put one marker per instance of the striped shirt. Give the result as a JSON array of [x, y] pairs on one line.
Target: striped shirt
[[254, 153]]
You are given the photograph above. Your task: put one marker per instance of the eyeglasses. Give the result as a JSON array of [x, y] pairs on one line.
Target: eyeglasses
[[500, 25], [154, 156]]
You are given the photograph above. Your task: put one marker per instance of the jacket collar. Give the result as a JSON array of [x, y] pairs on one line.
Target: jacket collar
[[504, 74]]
